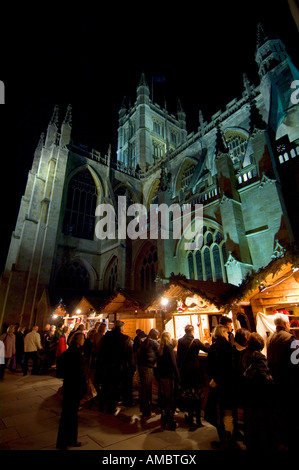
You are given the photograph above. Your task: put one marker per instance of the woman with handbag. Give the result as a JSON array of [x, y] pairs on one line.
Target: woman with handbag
[[192, 376]]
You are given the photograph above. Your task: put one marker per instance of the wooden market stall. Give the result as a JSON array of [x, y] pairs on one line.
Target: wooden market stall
[[280, 295], [84, 310], [271, 290], [183, 301], [131, 308]]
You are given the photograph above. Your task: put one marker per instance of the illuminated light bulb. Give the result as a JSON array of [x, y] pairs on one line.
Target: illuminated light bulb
[[164, 301]]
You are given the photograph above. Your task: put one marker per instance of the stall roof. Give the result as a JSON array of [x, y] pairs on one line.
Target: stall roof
[[126, 301], [180, 287]]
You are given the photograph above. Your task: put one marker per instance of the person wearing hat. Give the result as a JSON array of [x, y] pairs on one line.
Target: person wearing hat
[[115, 354]]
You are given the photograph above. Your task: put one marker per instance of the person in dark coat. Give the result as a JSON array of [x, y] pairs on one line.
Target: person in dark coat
[[147, 355], [113, 357], [283, 360], [129, 368], [20, 345], [239, 355], [220, 399], [258, 388], [73, 390], [191, 374], [168, 378]]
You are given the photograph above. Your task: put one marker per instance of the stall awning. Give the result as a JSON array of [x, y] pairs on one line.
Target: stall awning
[[209, 295]]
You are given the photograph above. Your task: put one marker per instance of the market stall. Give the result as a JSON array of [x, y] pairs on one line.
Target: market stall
[[84, 310], [131, 308], [199, 303], [279, 296]]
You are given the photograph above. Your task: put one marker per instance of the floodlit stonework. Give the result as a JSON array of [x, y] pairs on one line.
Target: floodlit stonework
[[242, 166]]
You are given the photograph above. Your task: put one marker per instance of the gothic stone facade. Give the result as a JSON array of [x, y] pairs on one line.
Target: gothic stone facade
[[242, 166]]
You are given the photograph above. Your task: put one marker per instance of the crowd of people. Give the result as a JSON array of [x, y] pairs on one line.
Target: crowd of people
[[248, 395]]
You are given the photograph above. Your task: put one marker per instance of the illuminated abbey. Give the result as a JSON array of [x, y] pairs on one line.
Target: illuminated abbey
[[241, 165]]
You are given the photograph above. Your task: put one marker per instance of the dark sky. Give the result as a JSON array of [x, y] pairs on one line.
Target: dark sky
[[92, 58]]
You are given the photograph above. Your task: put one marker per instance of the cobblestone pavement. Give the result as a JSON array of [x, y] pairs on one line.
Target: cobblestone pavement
[[30, 410]]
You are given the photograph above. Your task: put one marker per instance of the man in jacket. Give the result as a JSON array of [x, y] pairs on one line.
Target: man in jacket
[[32, 344], [281, 350]]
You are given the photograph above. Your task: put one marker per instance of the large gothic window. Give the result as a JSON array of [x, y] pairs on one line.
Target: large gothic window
[[237, 144], [73, 276], [79, 219], [186, 176], [207, 264], [148, 270]]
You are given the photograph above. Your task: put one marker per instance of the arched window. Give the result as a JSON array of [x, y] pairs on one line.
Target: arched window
[[199, 266], [148, 270], [208, 266], [112, 276], [191, 266], [73, 276], [186, 176], [79, 219], [209, 239], [217, 263], [210, 259], [237, 143]]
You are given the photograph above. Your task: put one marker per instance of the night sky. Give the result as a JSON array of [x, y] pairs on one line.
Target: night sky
[[93, 58]]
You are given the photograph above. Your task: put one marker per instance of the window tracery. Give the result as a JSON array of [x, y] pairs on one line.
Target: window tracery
[[208, 263]]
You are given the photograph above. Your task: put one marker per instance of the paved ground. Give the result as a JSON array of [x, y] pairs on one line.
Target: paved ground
[[30, 411]]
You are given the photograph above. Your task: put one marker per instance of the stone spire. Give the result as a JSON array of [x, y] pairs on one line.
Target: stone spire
[[66, 127], [68, 116], [181, 115], [123, 110], [143, 81], [270, 51], [202, 123], [262, 37], [143, 91], [55, 116], [38, 152], [52, 128], [247, 86]]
